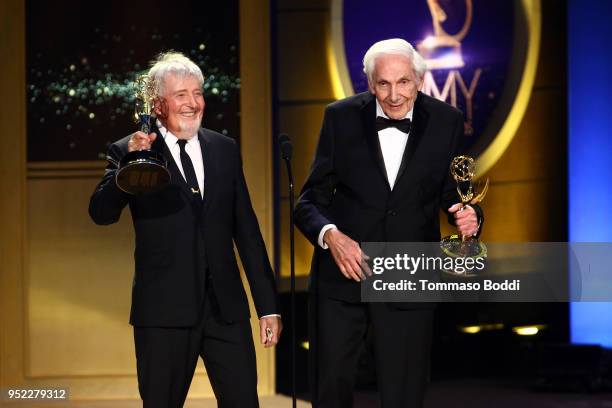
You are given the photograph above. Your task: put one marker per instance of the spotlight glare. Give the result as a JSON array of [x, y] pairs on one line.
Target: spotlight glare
[[527, 330]]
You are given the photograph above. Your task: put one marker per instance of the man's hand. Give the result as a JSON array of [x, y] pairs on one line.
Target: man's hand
[[347, 254], [141, 141], [466, 219], [270, 328]]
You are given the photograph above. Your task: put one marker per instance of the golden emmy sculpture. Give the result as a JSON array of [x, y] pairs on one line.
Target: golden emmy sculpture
[[443, 50], [462, 169], [143, 171]]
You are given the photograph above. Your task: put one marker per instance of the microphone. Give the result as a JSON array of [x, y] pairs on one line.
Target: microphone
[[286, 147], [286, 150]]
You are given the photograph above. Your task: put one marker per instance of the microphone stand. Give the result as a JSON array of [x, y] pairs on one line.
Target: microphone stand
[[286, 153]]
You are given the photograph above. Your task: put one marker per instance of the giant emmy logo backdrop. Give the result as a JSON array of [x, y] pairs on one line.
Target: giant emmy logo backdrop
[[481, 57]]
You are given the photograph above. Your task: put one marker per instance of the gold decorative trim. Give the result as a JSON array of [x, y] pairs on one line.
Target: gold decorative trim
[[67, 165], [342, 87], [13, 242], [255, 141], [336, 55], [66, 169]]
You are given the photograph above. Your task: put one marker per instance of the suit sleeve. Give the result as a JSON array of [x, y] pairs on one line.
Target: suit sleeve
[[449, 191], [312, 208], [251, 248], [108, 200]]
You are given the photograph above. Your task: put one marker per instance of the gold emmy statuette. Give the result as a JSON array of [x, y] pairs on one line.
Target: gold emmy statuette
[[462, 170], [443, 50], [143, 171]]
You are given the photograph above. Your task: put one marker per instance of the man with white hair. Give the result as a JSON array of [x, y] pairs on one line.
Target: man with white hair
[[380, 174], [187, 297]]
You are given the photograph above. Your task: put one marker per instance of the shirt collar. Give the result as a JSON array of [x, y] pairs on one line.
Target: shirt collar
[[380, 112]]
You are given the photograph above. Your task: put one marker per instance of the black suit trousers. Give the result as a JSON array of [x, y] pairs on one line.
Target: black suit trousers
[[402, 345], [167, 358]]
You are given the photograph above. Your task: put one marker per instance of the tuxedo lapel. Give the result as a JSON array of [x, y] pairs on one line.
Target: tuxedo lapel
[[368, 115], [419, 124], [210, 168]]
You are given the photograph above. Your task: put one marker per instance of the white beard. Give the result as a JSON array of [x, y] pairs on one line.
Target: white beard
[[190, 127]]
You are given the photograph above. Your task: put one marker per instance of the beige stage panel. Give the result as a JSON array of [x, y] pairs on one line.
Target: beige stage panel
[[302, 67], [79, 280], [77, 294]]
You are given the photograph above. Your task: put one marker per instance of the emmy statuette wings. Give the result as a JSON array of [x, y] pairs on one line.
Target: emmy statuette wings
[[143, 171], [462, 169]]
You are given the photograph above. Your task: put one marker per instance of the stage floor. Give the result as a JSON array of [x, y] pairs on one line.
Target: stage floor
[[276, 401], [468, 393]]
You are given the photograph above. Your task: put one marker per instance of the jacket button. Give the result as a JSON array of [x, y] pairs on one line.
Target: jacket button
[[391, 212]]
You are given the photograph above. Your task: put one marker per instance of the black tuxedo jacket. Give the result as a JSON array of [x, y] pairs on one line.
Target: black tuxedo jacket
[[348, 185], [178, 238]]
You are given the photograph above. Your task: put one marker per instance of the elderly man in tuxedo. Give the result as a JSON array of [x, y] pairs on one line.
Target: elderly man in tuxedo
[[187, 298], [380, 173]]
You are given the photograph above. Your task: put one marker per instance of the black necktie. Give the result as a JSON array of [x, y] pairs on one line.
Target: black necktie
[[190, 176], [403, 125]]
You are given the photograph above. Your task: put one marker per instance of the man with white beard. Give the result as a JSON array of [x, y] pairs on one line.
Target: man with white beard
[[187, 298]]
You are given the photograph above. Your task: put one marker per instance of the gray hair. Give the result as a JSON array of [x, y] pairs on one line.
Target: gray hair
[[175, 63], [395, 46]]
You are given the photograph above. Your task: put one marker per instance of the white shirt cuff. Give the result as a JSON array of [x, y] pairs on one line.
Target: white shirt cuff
[[270, 315], [322, 233]]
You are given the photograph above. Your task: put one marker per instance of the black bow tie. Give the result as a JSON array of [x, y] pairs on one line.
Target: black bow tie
[[403, 125]]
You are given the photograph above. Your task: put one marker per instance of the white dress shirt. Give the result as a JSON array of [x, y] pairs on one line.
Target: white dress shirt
[[193, 150], [392, 145]]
